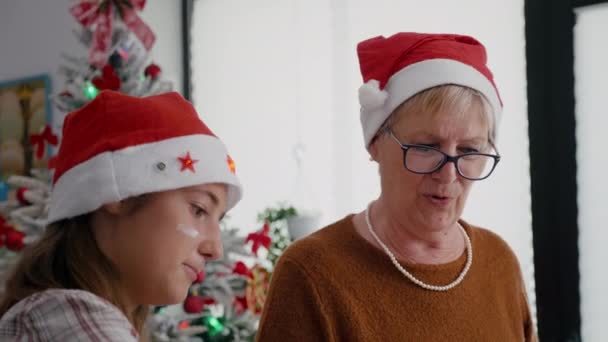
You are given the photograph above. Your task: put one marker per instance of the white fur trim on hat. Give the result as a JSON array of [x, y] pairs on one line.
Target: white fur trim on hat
[[423, 75], [132, 171], [370, 95]]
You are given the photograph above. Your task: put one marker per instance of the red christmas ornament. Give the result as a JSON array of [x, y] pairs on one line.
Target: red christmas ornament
[[200, 277], [194, 304], [14, 240], [187, 163], [152, 71], [107, 80], [21, 196], [5, 229]]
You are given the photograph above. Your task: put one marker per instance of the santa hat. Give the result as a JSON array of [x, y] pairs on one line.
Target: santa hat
[[120, 146], [400, 66]]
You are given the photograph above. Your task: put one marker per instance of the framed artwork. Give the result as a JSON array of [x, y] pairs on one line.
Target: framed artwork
[[25, 112]]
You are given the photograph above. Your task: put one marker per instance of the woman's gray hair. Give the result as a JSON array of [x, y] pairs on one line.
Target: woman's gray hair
[[455, 97]]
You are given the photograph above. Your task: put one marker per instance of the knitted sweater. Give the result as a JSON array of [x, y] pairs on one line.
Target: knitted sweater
[[336, 286]]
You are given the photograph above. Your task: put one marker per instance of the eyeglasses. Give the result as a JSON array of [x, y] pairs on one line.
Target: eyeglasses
[[422, 159]]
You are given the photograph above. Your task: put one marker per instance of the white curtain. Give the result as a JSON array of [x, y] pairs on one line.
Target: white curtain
[[270, 74]]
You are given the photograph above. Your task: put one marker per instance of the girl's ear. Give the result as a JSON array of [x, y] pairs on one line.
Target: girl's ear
[[114, 208]]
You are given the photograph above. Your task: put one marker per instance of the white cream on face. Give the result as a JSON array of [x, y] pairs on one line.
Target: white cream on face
[[188, 231]]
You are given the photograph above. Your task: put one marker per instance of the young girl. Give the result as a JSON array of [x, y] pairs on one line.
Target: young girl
[[140, 186]]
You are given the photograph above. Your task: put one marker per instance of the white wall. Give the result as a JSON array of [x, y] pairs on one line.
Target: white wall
[[591, 72], [34, 33], [269, 71]]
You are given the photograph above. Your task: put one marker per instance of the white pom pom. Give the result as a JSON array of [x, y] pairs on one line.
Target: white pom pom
[[370, 95]]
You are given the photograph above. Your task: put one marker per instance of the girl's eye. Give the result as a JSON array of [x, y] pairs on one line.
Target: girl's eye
[[198, 211]]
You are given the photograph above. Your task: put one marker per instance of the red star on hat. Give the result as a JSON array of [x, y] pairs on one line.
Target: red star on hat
[[231, 164], [187, 162]]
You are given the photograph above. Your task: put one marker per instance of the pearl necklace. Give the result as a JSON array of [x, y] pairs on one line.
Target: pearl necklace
[[411, 277]]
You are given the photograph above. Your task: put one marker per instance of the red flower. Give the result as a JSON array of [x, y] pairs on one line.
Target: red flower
[[260, 238], [108, 79], [208, 301], [241, 304], [242, 269]]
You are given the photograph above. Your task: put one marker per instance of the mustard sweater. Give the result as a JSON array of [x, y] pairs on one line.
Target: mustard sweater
[[336, 286]]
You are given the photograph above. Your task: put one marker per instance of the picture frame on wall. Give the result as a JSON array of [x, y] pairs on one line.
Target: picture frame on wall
[[25, 110]]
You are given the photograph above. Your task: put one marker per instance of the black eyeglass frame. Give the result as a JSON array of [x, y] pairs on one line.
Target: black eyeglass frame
[[446, 159]]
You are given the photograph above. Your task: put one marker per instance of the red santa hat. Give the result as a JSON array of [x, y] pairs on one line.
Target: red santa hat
[[400, 66], [120, 146]]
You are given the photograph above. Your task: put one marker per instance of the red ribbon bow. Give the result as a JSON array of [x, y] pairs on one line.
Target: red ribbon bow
[[39, 140], [90, 13], [260, 238]]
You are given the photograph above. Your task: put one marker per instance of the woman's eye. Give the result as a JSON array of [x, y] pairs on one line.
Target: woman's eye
[[423, 149], [469, 150]]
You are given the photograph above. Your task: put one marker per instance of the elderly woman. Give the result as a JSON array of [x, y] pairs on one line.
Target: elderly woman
[[408, 268]]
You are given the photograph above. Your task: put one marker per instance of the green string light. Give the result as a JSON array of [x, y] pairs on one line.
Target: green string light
[[214, 325], [90, 91], [160, 309]]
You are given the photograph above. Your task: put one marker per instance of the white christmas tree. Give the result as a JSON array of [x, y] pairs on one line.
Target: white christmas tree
[[23, 219], [225, 303], [222, 303], [118, 42]]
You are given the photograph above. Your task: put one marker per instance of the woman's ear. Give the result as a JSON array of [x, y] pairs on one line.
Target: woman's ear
[[373, 149]]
